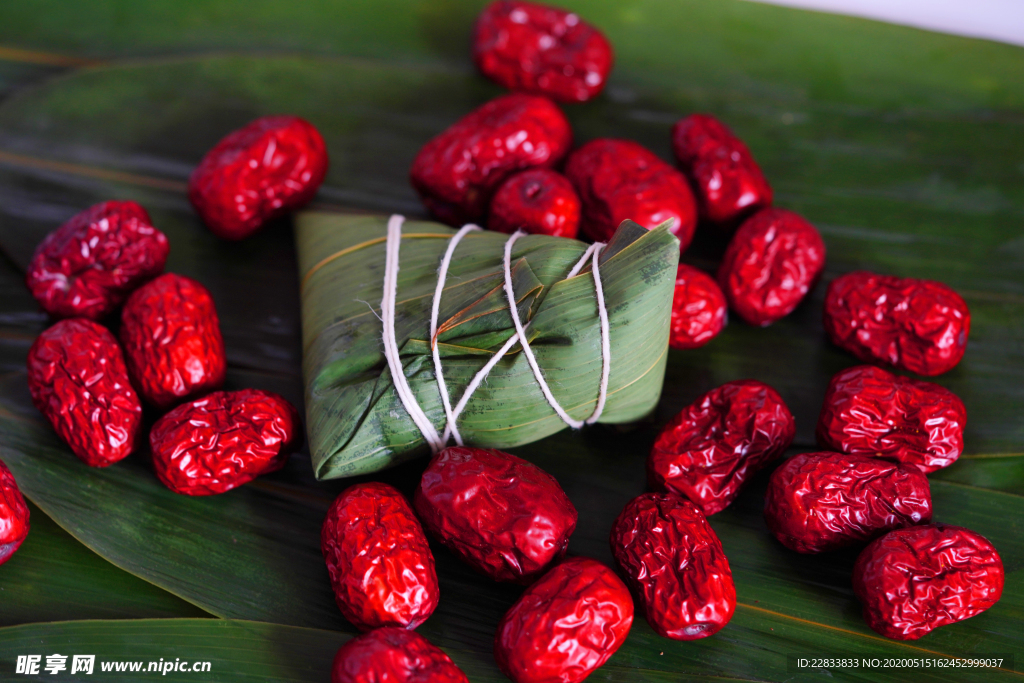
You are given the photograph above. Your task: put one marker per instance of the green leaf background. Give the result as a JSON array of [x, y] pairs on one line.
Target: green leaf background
[[905, 148]]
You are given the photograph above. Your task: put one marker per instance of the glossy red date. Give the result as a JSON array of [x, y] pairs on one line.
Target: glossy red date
[[393, 655], [88, 266], [916, 325], [772, 262], [698, 309], [14, 514], [565, 625], [824, 501], [377, 555], [458, 171], [729, 183], [539, 201], [224, 440], [675, 565], [869, 411], [78, 380], [171, 335], [912, 581], [502, 515], [541, 49], [619, 179], [709, 449], [257, 173]]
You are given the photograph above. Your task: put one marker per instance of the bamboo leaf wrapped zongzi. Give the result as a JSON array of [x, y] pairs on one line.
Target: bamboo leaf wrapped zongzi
[[355, 419]]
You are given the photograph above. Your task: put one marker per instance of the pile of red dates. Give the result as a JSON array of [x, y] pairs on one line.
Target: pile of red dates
[[510, 164], [103, 269]]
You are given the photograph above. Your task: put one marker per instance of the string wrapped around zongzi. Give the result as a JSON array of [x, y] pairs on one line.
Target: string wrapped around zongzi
[[356, 420]]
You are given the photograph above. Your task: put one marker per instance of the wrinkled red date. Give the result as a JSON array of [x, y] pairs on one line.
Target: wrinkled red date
[[773, 260], [393, 655], [504, 516], [539, 201], [381, 567], [14, 514], [257, 173], [78, 380], [619, 180], [86, 267], [869, 411], [698, 309], [540, 49], [223, 440], [729, 182], [675, 564], [709, 449], [916, 325], [458, 171], [171, 335], [565, 625], [912, 581], [818, 502]]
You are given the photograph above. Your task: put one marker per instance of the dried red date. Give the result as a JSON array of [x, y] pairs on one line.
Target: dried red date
[[257, 173], [505, 517], [676, 565], [171, 335], [869, 411], [916, 325], [698, 309], [824, 501], [393, 655], [541, 49], [457, 171], [565, 625], [729, 182], [13, 514], [223, 440], [78, 380], [709, 449], [773, 260], [619, 180], [539, 201], [86, 267], [912, 581], [381, 567]]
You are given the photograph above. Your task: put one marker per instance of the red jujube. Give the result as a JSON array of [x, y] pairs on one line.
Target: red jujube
[[916, 325], [377, 555], [78, 380], [712, 446], [224, 440], [504, 516], [729, 183], [825, 501], [676, 566], [868, 411]]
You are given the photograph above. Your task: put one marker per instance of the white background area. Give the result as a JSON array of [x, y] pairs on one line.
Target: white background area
[[1001, 20]]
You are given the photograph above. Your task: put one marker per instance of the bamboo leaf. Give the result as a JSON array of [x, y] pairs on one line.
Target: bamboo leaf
[[53, 577]]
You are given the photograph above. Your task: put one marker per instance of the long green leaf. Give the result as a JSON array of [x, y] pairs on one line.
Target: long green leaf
[[237, 651], [53, 577]]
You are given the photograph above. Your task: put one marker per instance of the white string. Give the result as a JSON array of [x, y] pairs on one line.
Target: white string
[[442, 274], [486, 369], [606, 346], [531, 359], [387, 306], [408, 399]]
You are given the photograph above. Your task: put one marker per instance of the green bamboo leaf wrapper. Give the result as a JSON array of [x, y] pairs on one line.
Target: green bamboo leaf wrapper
[[355, 420]]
